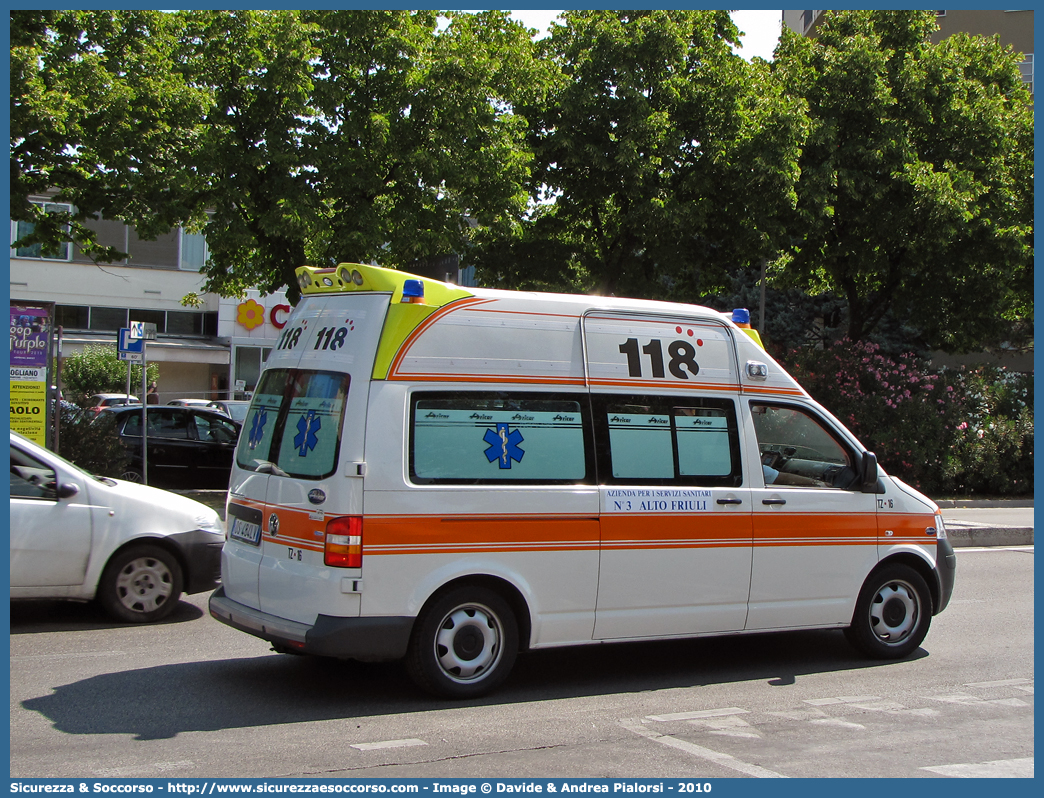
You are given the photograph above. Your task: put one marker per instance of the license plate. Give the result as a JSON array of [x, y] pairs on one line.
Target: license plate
[[245, 531]]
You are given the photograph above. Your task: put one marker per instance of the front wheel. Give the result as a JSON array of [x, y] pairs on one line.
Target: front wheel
[[464, 644], [142, 584], [892, 614]]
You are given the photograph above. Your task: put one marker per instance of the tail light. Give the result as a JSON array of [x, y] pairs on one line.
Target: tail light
[[343, 547]]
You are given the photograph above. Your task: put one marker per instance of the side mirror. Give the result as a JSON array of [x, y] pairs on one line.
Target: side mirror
[[67, 490], [868, 470]]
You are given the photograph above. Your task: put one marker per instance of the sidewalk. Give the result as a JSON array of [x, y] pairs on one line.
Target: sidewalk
[[975, 522]]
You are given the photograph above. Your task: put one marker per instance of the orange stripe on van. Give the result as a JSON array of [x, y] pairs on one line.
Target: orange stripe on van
[[622, 531], [815, 529], [471, 534], [906, 528]]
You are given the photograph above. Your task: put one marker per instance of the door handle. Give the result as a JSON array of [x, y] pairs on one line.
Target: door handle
[[773, 501], [730, 501]]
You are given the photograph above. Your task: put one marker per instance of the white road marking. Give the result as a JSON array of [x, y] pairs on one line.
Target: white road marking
[[727, 726], [1000, 683], [822, 702], [387, 744], [957, 698], [725, 760], [700, 713], [878, 706], [839, 722], [998, 769]]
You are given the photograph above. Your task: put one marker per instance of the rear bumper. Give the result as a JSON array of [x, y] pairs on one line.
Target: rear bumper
[[367, 639]]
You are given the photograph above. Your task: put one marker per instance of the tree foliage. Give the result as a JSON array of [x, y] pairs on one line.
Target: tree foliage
[[916, 186], [101, 110], [356, 135], [630, 152], [663, 160], [98, 369]]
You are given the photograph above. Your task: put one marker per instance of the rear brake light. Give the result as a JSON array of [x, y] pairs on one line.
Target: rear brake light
[[343, 547]]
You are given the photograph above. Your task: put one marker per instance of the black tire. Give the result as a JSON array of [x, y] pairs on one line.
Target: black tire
[[892, 614], [141, 584], [132, 475], [464, 643]]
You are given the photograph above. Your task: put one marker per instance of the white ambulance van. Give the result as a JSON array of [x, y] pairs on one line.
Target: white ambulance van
[[453, 475]]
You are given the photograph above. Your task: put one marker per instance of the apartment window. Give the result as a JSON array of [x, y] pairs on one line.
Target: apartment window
[[157, 317], [1026, 68], [249, 360], [108, 319], [193, 251], [21, 229], [72, 317]]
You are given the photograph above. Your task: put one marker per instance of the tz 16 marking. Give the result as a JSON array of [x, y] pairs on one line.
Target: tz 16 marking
[[293, 554], [682, 353]]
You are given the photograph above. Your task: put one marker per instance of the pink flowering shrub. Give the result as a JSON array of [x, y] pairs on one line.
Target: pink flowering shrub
[[946, 432]]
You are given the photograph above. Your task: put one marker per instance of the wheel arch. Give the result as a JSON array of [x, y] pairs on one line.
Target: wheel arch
[[509, 592], [148, 540], [922, 566]]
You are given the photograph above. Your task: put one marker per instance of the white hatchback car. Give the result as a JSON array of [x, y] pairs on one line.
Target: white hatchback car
[[134, 548]]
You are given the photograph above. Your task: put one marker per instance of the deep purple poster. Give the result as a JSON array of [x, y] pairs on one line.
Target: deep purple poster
[[30, 332]]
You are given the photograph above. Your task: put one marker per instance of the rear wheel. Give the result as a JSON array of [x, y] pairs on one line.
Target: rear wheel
[[464, 643], [141, 584], [892, 614]]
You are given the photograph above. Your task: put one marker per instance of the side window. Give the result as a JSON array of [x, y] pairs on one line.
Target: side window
[[214, 430], [483, 438], [798, 449], [168, 424], [31, 479], [668, 440]]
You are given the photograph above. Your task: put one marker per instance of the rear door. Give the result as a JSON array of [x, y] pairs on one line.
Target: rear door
[[299, 459]]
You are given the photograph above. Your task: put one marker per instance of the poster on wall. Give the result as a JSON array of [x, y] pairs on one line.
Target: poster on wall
[[30, 365]]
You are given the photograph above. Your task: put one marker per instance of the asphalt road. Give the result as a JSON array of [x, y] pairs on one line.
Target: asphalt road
[[192, 698]]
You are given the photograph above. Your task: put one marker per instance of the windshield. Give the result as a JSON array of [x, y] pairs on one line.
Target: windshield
[[293, 426]]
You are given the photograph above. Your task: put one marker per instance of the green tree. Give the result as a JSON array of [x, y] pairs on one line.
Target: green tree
[[102, 112], [916, 189], [664, 160], [98, 369], [356, 135], [286, 137]]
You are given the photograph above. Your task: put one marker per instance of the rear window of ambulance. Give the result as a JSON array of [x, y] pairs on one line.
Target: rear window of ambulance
[[294, 423]]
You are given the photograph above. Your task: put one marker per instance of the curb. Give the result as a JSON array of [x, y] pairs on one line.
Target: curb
[[965, 535], [956, 504]]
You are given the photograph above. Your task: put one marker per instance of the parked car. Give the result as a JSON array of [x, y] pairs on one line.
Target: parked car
[[236, 409], [188, 402], [102, 400], [189, 447], [133, 548]]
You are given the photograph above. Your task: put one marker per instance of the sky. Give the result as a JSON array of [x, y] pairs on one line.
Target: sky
[[761, 28]]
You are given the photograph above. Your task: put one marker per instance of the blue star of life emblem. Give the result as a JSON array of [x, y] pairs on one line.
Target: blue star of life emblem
[[257, 428], [306, 439], [503, 445]]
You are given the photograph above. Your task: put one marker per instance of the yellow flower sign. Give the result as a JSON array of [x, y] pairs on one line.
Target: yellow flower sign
[[250, 314]]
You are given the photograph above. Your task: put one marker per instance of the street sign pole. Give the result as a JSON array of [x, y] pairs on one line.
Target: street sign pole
[[132, 348]]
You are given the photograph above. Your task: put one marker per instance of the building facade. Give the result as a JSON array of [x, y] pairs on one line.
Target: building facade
[[214, 351], [1014, 28]]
